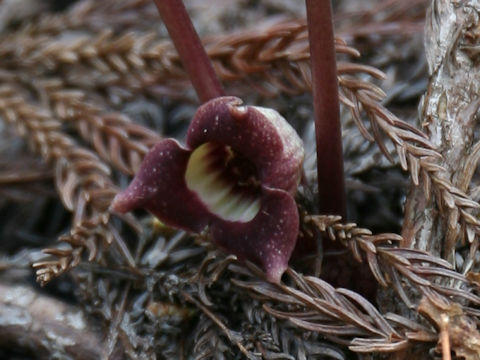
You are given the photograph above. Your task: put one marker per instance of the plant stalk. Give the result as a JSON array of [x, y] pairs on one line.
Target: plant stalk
[[331, 188], [339, 268], [190, 49]]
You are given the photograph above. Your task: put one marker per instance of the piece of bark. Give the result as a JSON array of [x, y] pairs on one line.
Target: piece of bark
[[447, 111], [459, 330], [45, 326]]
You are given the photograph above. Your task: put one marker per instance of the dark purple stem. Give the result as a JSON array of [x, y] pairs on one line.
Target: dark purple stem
[[331, 188], [191, 51], [338, 267]]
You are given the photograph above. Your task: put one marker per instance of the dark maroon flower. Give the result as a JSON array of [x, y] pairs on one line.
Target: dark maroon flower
[[236, 176]]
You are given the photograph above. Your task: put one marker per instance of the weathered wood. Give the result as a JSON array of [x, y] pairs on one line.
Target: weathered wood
[[447, 112], [45, 326]]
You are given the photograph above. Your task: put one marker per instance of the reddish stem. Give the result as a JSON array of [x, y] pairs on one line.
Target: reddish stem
[[331, 188], [338, 267], [189, 47]]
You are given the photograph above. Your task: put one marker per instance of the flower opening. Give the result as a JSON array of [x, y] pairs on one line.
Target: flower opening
[[224, 182]]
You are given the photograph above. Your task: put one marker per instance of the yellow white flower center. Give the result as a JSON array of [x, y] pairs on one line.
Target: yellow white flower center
[[220, 186]]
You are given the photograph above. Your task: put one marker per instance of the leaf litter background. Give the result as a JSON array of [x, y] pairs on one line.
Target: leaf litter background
[[87, 87]]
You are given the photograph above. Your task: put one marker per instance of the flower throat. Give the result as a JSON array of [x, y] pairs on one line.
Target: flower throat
[[225, 182]]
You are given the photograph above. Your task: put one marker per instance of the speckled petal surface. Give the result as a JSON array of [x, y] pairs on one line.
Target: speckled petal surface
[[262, 135], [267, 240], [159, 187]]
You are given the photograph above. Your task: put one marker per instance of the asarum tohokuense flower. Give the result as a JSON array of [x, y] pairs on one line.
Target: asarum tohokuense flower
[[236, 177]]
